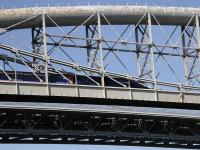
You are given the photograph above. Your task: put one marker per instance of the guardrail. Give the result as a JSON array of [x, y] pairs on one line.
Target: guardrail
[[11, 6], [64, 90]]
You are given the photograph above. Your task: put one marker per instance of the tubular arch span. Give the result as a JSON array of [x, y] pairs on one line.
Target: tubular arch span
[[75, 15]]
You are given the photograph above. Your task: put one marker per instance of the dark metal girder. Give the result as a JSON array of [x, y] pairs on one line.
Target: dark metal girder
[[99, 101], [30, 126]]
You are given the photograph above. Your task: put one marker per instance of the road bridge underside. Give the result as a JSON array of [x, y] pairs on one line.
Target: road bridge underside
[[35, 119], [36, 126]]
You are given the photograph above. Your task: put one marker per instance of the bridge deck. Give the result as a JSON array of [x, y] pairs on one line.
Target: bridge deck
[[42, 89], [103, 109]]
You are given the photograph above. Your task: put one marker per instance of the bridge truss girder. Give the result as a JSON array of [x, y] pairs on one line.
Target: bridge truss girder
[[33, 126], [98, 48]]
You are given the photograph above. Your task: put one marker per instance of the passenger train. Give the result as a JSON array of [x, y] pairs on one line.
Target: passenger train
[[73, 78]]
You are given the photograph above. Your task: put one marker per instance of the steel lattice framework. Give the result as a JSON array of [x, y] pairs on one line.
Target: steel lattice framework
[[156, 47], [89, 128]]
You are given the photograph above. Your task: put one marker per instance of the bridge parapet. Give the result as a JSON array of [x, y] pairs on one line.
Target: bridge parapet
[[62, 90]]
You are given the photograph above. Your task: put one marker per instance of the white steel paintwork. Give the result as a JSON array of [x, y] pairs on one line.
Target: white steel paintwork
[[40, 89], [75, 15]]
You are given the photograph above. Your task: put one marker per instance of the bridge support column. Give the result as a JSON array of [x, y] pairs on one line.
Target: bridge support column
[[88, 43], [45, 52], [138, 48], [100, 49], [185, 53], [39, 46], [153, 73], [91, 31], [191, 45], [144, 50], [198, 40], [37, 41]]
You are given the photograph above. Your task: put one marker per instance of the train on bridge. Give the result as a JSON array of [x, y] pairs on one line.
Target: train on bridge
[[71, 78]]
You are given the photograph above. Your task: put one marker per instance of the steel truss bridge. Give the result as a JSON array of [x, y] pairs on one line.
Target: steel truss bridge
[[157, 47]]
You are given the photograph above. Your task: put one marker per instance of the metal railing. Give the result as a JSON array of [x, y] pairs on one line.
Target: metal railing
[[159, 4]]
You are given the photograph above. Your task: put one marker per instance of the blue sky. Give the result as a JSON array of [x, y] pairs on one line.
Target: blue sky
[[22, 3], [72, 147]]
